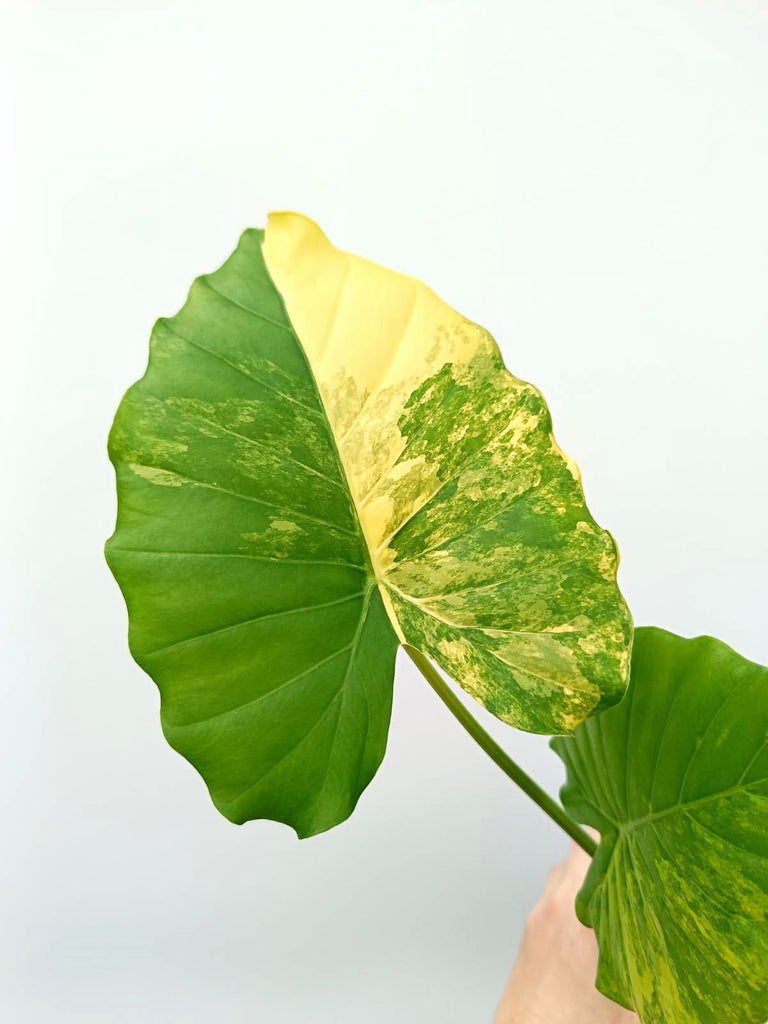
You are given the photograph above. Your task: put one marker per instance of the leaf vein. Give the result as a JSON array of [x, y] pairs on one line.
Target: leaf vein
[[255, 618]]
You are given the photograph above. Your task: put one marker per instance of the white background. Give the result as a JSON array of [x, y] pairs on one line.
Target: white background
[[588, 180]]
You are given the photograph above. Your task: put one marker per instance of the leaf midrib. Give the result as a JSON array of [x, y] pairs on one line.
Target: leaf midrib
[[685, 806]]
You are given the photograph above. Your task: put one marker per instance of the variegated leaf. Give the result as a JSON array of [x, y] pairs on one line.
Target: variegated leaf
[[323, 459], [676, 780]]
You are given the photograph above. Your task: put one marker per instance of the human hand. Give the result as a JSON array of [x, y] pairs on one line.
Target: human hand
[[553, 981]]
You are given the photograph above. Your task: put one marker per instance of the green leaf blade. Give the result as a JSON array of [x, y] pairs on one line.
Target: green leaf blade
[[676, 780], [338, 709], [249, 587]]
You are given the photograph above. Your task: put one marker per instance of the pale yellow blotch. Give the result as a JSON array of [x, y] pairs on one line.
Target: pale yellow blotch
[[542, 653], [280, 534], [460, 653], [284, 526], [153, 475], [570, 721]]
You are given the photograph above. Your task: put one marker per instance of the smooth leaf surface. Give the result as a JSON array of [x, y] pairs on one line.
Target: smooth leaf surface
[[323, 459], [676, 779]]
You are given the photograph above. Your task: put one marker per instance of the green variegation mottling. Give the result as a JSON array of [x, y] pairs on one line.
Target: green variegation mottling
[[251, 598], [323, 458], [501, 573], [676, 780]]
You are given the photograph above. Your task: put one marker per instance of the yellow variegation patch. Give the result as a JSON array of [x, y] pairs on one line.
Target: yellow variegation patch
[[474, 519]]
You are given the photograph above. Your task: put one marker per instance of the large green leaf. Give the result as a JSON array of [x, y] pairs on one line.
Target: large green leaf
[[323, 459], [676, 780]]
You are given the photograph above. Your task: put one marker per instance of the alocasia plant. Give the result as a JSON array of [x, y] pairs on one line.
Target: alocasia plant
[[324, 461]]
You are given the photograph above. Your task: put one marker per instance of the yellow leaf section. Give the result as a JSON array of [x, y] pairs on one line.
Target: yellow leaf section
[[473, 516], [372, 336]]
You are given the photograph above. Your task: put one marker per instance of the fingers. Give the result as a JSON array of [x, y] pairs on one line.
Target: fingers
[[566, 878], [576, 866]]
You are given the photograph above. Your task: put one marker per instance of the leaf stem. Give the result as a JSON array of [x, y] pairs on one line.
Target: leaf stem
[[497, 755]]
